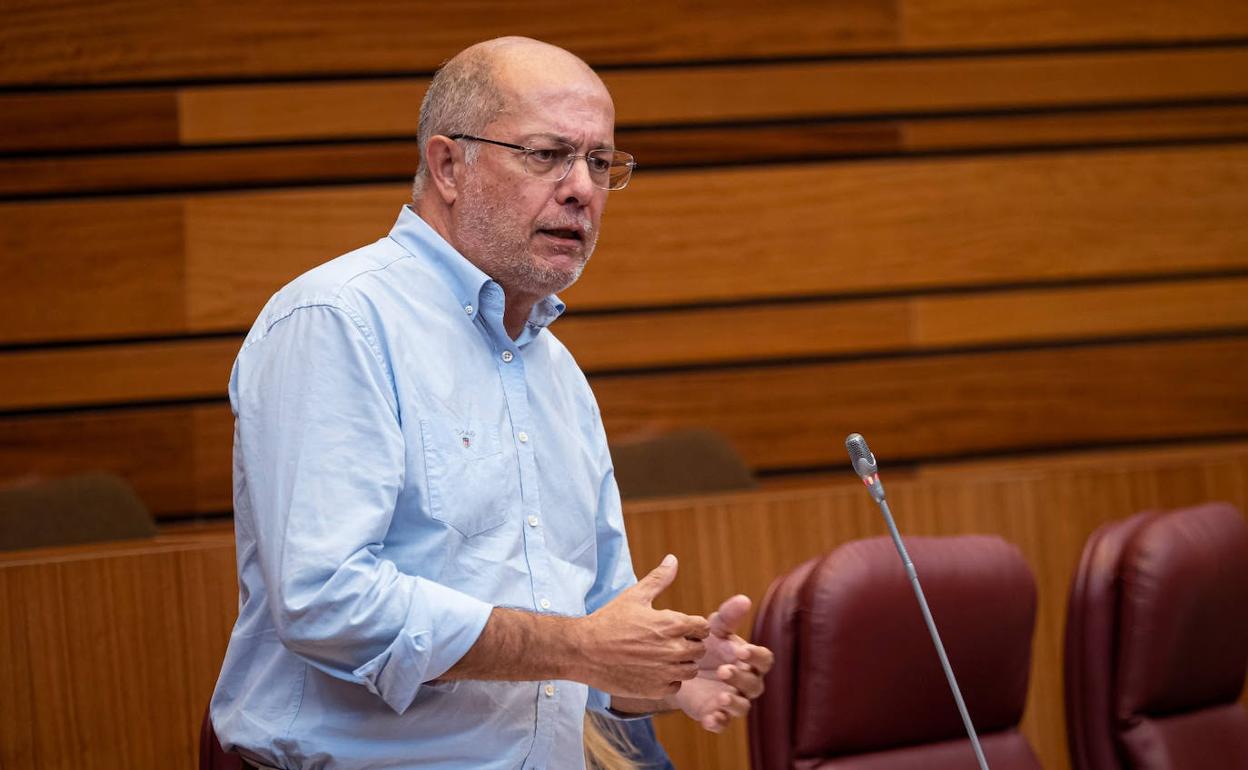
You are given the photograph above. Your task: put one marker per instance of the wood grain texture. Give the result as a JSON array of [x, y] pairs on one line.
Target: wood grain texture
[[665, 147], [389, 109], [76, 619], [79, 42], [108, 656], [916, 409], [992, 23], [119, 373], [206, 263], [944, 406]]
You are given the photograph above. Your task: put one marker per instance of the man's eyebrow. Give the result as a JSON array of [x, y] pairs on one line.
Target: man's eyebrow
[[566, 140]]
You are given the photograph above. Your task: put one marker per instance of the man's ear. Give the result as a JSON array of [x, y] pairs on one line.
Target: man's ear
[[446, 166]]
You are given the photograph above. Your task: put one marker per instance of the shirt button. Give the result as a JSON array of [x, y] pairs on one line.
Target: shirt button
[[532, 521], [524, 437], [468, 309], [550, 691], [545, 603], [507, 356]]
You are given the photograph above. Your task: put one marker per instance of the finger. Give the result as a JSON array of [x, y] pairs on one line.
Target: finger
[[693, 627], [728, 617], [745, 681], [735, 705], [760, 658], [657, 580]]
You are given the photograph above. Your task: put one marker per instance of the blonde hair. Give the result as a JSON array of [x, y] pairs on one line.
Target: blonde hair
[[607, 746]]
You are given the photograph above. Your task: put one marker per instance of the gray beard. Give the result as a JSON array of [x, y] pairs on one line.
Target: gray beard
[[507, 259]]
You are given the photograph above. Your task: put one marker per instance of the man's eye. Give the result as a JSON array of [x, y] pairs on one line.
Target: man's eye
[[599, 165], [545, 156]]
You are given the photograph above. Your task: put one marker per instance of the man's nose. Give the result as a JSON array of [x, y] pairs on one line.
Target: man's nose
[[577, 186]]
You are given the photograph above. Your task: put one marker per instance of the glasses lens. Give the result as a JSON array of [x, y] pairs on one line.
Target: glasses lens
[[549, 161], [610, 168]]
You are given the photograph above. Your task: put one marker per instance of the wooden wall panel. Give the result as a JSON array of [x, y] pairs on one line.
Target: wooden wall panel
[[119, 373], [84, 43], [97, 268], [81, 42], [992, 23], [836, 229], [108, 653], [388, 109], [946, 406], [804, 141]]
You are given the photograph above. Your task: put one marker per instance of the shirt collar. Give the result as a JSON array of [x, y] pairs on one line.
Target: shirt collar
[[467, 281]]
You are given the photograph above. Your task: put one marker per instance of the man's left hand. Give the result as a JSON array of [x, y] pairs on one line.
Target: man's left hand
[[730, 674]]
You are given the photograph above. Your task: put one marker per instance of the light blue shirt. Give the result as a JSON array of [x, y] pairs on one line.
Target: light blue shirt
[[401, 466]]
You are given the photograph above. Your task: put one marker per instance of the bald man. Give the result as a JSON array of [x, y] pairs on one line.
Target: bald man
[[432, 563]]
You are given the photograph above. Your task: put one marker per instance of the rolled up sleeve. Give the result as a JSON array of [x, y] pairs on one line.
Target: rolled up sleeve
[[320, 437]]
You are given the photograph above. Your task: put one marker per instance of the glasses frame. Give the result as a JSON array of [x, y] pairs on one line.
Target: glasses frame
[[567, 167]]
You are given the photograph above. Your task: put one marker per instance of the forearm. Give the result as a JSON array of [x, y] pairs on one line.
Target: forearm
[[523, 646]]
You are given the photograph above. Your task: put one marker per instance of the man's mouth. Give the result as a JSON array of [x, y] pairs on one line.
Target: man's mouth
[[567, 234]]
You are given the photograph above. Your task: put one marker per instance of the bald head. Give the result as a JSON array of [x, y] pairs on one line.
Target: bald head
[[489, 79]]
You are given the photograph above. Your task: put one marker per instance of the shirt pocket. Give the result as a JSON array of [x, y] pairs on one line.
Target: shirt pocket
[[465, 468]]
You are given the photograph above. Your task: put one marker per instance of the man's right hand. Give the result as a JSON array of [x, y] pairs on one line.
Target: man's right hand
[[628, 648]]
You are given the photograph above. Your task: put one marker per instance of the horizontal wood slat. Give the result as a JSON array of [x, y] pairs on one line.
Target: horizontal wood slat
[[778, 417], [198, 368], [79, 42], [387, 109], [945, 406], [198, 168], [166, 265]]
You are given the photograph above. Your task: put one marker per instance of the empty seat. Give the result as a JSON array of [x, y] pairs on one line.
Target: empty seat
[[1157, 643], [857, 684]]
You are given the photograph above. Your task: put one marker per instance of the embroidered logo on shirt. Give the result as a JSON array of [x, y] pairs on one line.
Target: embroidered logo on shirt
[[466, 436]]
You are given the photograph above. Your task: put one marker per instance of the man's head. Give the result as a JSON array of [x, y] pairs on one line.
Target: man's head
[[532, 235]]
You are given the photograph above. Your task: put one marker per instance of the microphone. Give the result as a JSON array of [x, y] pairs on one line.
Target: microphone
[[864, 464]]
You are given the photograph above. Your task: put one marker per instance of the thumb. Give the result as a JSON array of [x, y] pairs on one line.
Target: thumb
[[725, 620], [658, 580]]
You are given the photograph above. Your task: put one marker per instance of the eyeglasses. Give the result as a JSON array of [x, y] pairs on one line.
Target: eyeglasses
[[608, 169]]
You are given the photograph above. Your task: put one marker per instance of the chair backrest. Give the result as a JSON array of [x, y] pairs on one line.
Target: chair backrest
[[1157, 643], [683, 462], [77, 509], [857, 684]]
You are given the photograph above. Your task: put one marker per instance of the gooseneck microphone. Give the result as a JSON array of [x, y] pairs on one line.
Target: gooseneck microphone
[[865, 466]]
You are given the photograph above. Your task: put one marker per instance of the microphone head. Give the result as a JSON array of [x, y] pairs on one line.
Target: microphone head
[[860, 456]]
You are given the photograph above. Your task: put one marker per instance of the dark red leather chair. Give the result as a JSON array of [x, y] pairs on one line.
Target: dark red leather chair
[[857, 684], [1157, 643]]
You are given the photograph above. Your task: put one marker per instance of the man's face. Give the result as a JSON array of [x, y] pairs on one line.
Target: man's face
[[534, 236]]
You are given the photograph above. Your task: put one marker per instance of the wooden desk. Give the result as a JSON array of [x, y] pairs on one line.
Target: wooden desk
[[108, 653]]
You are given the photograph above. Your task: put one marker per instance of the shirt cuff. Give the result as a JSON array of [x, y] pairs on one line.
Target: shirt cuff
[[600, 703], [444, 625]]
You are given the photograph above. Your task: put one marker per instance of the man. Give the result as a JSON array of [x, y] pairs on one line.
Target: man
[[432, 563]]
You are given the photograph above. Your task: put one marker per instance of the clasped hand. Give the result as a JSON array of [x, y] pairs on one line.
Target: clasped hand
[[699, 665]]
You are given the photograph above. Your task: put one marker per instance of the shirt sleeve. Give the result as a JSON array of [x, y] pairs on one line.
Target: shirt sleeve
[[322, 456]]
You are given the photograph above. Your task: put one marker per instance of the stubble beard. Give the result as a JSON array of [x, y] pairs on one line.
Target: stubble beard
[[501, 247]]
